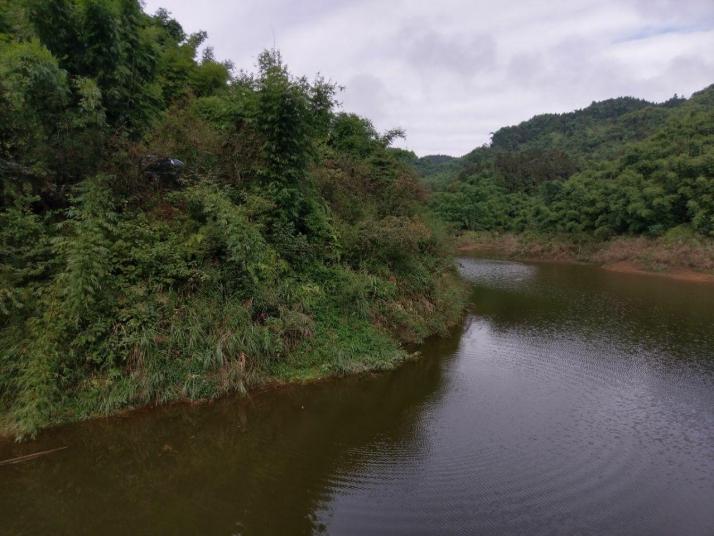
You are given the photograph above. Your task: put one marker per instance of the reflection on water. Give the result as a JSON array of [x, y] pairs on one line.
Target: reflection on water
[[571, 401]]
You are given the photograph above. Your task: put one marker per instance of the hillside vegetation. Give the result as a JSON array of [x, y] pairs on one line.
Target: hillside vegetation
[[618, 167], [292, 243]]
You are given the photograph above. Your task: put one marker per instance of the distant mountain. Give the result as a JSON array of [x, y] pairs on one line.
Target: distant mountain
[[654, 157], [598, 131], [435, 168]]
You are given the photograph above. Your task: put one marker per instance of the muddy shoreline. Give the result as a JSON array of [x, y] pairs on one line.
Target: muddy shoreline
[[691, 261]]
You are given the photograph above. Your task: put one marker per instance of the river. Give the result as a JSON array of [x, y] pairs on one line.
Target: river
[[570, 401]]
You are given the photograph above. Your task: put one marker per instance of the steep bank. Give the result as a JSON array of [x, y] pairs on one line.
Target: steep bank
[[684, 258], [172, 229]]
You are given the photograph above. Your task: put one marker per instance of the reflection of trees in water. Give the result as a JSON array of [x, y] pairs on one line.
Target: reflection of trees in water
[[260, 466], [268, 465], [641, 314]]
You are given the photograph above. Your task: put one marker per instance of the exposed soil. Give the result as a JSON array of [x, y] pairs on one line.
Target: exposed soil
[[681, 274], [691, 260]]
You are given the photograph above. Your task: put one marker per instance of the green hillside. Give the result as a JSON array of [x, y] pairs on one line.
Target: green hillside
[[170, 229], [621, 166]]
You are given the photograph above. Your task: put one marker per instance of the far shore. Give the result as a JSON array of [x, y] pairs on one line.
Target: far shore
[[681, 274], [682, 260]]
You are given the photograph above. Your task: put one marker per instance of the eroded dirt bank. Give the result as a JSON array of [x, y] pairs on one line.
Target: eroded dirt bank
[[682, 259]]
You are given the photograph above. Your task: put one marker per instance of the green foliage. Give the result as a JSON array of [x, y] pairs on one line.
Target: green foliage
[[353, 135], [282, 120], [79, 75], [226, 233], [622, 166], [34, 92], [86, 248], [294, 242], [24, 255], [103, 40]]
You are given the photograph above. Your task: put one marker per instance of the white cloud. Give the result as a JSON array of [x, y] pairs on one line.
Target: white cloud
[[451, 72]]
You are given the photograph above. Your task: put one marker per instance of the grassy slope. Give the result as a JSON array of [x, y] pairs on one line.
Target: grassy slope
[[340, 342]]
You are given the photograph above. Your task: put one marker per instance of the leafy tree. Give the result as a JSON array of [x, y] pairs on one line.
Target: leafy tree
[[621, 166], [293, 242]]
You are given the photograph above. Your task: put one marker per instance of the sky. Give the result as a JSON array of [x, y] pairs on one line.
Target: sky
[[450, 72]]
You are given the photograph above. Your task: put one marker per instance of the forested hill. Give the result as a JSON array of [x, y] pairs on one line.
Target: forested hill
[[174, 228], [620, 166], [587, 134]]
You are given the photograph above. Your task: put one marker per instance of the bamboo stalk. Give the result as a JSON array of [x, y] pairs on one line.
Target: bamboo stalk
[[28, 457]]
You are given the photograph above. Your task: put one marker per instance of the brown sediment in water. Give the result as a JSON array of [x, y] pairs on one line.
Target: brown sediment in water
[[8, 433]]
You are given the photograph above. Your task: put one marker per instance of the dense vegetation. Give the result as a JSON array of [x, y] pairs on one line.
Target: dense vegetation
[[618, 167], [293, 243]]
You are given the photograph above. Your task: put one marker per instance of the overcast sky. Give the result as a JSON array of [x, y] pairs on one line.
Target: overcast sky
[[451, 71]]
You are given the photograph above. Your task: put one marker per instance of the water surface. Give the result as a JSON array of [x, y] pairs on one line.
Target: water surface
[[571, 401]]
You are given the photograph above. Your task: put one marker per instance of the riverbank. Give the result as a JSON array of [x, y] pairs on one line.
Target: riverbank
[[683, 258], [285, 375], [371, 335]]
